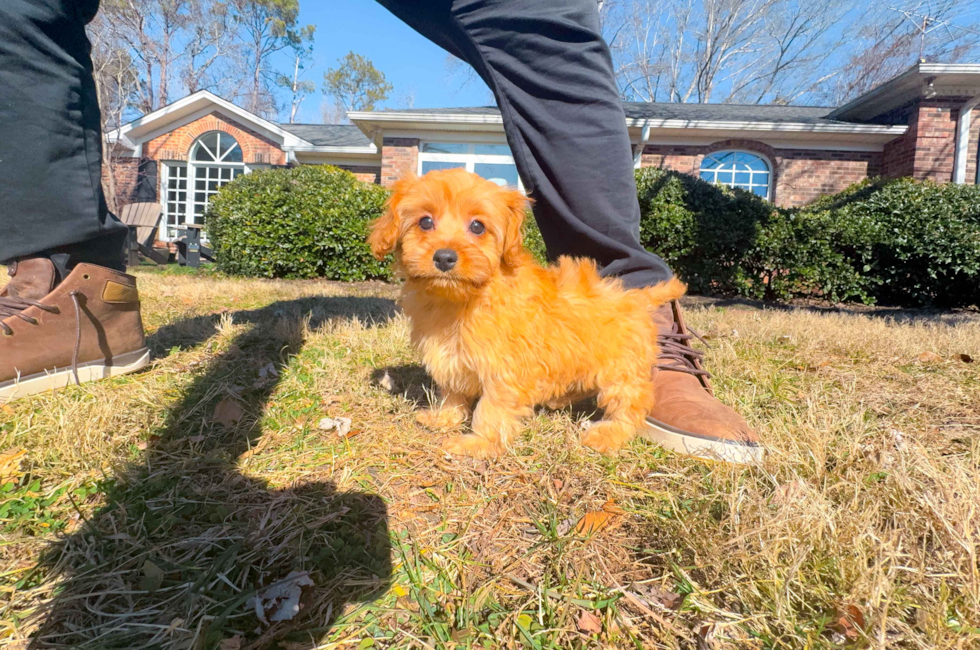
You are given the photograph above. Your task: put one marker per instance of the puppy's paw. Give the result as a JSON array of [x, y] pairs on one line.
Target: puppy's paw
[[439, 419], [605, 437], [472, 446]]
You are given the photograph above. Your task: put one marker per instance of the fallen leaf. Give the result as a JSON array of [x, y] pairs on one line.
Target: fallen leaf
[[461, 636], [965, 358], [654, 595], [233, 643], [152, 577], [227, 413], [340, 425], [196, 439], [593, 522], [6, 408], [565, 526], [783, 339], [928, 357], [10, 462], [589, 623], [707, 636], [850, 622], [611, 507], [268, 370], [559, 484], [789, 493], [254, 450], [280, 602]]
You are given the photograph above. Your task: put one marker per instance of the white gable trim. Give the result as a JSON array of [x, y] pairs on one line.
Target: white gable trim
[[193, 107]]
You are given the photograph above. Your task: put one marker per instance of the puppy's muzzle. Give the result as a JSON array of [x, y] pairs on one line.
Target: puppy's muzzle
[[445, 259]]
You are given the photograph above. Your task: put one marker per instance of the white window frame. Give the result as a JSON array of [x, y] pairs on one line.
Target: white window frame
[[469, 159], [168, 232], [769, 172]]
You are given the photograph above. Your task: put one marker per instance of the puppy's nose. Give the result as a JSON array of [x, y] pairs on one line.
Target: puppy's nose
[[445, 259]]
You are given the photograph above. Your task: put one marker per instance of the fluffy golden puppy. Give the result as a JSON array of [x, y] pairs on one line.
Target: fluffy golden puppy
[[494, 327]]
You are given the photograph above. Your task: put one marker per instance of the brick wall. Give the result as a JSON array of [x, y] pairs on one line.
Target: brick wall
[[926, 150], [365, 173], [125, 175], [399, 156], [176, 144], [804, 175], [799, 175]]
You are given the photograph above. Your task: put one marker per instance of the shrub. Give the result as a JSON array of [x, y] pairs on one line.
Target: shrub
[[305, 222], [918, 243], [898, 241], [722, 240]]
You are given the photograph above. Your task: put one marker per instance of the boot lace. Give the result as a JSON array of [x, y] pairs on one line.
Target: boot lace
[[15, 306], [676, 353]]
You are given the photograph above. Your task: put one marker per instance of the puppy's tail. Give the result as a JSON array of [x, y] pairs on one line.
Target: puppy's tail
[[662, 293]]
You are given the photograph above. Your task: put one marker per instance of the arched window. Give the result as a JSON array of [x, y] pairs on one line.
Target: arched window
[[742, 169], [215, 159]]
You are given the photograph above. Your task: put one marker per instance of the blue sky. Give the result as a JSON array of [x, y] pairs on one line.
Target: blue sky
[[410, 62]]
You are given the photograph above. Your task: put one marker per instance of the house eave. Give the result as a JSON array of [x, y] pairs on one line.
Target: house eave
[[329, 150], [921, 80], [887, 131], [372, 123]]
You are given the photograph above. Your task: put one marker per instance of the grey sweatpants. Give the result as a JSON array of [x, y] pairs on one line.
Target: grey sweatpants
[[51, 197], [551, 73]]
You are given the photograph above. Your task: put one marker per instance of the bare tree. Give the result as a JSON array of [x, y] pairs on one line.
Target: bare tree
[[774, 51], [151, 29], [332, 112], [265, 28], [895, 35], [117, 84], [210, 41], [298, 88]]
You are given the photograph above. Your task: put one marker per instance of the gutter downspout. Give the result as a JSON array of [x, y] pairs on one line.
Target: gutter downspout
[[960, 155], [644, 138]]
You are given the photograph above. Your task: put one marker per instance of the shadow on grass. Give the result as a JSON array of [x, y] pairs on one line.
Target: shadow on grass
[[411, 381], [900, 315], [186, 540]]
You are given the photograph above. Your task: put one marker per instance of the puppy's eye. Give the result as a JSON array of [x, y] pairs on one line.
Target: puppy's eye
[[426, 223], [477, 227]]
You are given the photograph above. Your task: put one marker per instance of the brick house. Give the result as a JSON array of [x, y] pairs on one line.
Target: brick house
[[917, 124]]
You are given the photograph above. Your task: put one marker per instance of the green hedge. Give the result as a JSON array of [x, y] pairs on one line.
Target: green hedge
[[305, 222], [895, 241]]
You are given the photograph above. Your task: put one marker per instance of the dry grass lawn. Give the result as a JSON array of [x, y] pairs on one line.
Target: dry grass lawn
[[149, 511]]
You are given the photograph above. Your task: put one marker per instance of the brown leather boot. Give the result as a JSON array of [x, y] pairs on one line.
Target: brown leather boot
[[30, 279], [687, 417], [84, 329]]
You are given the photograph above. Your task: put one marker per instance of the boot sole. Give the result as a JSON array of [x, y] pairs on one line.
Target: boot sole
[[700, 446], [61, 377]]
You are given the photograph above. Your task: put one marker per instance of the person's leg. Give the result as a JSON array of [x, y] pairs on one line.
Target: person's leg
[[550, 70], [552, 76], [51, 201], [68, 313]]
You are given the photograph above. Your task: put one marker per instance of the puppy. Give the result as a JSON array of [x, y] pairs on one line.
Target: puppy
[[494, 327]]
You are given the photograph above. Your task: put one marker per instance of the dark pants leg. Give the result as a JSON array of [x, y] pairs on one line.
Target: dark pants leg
[[51, 201], [552, 76]]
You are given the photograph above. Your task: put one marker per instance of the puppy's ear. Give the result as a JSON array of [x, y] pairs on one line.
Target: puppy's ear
[[385, 229], [517, 205]]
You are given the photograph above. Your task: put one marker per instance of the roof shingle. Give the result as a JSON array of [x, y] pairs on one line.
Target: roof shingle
[[329, 135]]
